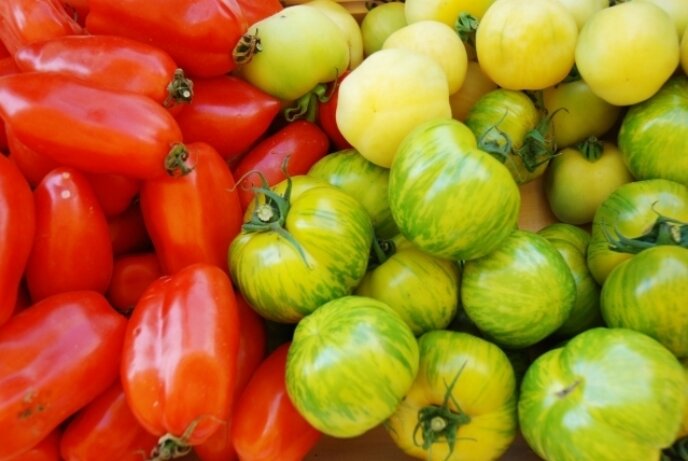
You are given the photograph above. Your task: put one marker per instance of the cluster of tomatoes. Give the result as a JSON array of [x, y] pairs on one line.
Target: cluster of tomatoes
[[232, 226]]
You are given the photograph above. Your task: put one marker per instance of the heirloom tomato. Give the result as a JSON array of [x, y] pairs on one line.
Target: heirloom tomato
[[577, 236], [448, 197], [647, 293], [444, 11], [377, 24], [677, 10], [350, 364], [475, 85], [637, 215], [684, 52], [338, 13], [581, 10], [609, 393], [521, 292], [462, 404], [303, 243], [654, 134]]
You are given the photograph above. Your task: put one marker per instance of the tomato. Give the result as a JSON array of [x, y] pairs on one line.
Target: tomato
[[526, 46], [57, 355], [299, 219], [378, 23], [577, 236], [70, 226], [326, 117], [676, 9], [193, 218], [444, 11], [227, 113], [653, 134], [179, 357], [350, 364], [291, 150], [17, 231], [606, 394], [475, 85], [266, 426], [33, 166], [626, 52], [349, 26], [255, 11], [199, 35], [375, 117], [115, 192], [132, 273], [579, 179], [107, 430], [128, 232], [90, 128], [462, 404], [684, 53], [438, 168], [637, 215], [47, 449], [582, 10], [521, 292]]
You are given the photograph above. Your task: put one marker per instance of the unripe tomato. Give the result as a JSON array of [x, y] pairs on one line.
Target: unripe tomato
[[347, 23], [379, 23], [684, 53]]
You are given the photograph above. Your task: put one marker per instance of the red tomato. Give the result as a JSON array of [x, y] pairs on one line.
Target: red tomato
[[266, 426], [106, 430], [7, 66], [72, 248], [300, 143], [255, 10], [115, 192], [131, 276], [228, 113], [128, 232], [47, 449], [179, 359], [17, 230], [57, 356], [90, 128], [33, 165], [325, 118], [199, 34], [77, 9]]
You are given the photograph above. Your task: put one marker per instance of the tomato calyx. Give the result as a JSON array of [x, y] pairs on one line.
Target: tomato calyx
[[246, 48], [591, 148], [677, 452], [306, 107], [170, 447], [381, 251], [466, 26], [538, 145], [179, 90], [664, 231], [177, 161]]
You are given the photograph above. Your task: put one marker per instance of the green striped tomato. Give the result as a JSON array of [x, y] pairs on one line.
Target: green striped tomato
[[521, 292], [464, 392], [288, 262], [609, 393], [578, 236], [350, 364], [448, 197]]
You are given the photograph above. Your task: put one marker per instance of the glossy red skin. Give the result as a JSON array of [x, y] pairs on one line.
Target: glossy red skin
[[106, 430], [17, 230], [325, 118], [266, 426], [7, 66], [302, 141], [131, 275], [255, 10], [115, 192], [30, 21], [86, 127], [199, 34], [128, 232], [57, 356], [33, 165], [228, 113], [72, 249], [179, 354], [111, 62], [193, 218], [47, 449]]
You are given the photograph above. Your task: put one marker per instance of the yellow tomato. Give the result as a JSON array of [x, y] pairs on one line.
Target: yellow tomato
[[446, 11], [677, 10], [583, 9], [684, 52], [346, 21], [475, 85], [378, 23]]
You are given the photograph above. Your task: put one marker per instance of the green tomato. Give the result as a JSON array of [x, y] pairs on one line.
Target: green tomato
[[653, 134], [521, 292], [379, 23], [462, 404], [346, 21], [607, 394], [349, 365], [290, 259], [577, 236], [648, 293], [449, 198]]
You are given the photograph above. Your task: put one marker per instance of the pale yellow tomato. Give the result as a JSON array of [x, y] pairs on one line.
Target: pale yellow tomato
[[446, 11], [378, 23], [476, 84], [677, 10], [526, 44], [349, 25], [626, 52], [390, 93], [583, 9], [684, 52], [438, 41]]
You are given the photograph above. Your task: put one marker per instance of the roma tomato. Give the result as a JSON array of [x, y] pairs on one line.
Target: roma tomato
[[57, 356], [70, 226], [47, 449], [115, 192], [266, 426], [179, 357], [128, 232], [132, 273], [32, 165], [350, 364], [462, 404]]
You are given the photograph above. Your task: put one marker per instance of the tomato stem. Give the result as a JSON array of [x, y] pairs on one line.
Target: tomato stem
[[306, 107], [538, 145], [179, 90], [466, 26], [176, 161], [677, 452], [381, 251], [591, 148], [664, 231], [170, 447]]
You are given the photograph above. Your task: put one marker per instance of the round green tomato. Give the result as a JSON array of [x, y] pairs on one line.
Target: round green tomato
[[653, 137], [287, 264], [349, 365], [449, 198], [521, 292], [423, 289], [577, 236], [379, 23], [462, 404], [300, 47], [607, 394], [648, 293]]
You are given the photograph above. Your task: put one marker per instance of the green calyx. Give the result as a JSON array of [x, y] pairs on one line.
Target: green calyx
[[466, 26], [170, 447], [677, 452], [664, 231], [538, 145], [306, 107], [591, 148], [177, 161], [179, 90], [381, 251]]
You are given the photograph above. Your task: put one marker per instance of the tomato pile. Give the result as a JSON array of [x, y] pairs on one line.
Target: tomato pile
[[232, 226]]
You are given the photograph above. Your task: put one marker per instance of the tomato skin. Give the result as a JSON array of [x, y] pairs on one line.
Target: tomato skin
[[17, 231], [266, 425], [254, 11], [128, 232], [70, 226], [131, 275], [190, 318], [326, 118], [115, 192], [34, 166], [106, 430], [47, 449], [193, 218], [90, 128], [58, 355]]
